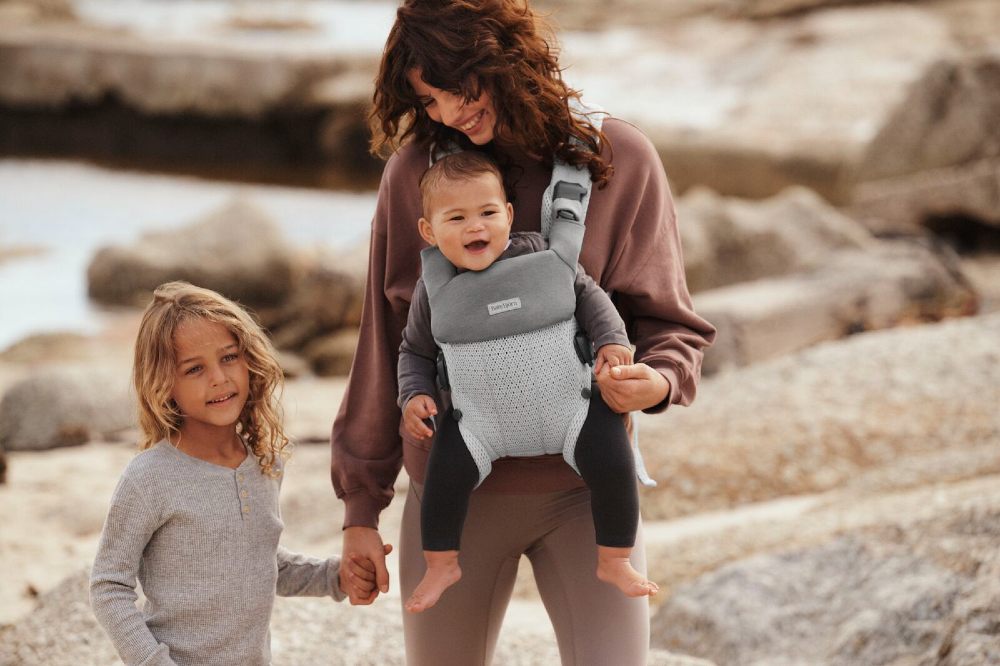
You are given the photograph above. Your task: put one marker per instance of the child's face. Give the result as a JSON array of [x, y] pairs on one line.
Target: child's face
[[469, 221], [212, 380]]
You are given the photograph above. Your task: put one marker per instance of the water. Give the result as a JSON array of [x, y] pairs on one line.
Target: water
[[69, 210]]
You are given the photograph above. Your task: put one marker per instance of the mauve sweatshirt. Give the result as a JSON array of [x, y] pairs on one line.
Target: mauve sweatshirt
[[631, 248]]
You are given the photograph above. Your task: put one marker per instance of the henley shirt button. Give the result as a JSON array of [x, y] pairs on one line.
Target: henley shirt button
[[457, 414], [586, 393], [243, 493], [239, 477], [246, 509]]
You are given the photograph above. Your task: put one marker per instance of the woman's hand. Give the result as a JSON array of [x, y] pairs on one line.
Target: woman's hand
[[418, 408], [363, 574], [628, 388]]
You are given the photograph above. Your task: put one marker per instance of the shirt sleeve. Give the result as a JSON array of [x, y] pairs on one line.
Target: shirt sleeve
[[596, 313], [303, 576], [647, 277], [367, 450], [417, 369], [129, 527]]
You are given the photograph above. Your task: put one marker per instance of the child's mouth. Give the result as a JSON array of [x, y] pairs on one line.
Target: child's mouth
[[222, 399]]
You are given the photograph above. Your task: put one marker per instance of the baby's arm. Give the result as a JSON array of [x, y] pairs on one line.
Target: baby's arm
[[303, 576], [129, 527], [599, 318], [417, 367]]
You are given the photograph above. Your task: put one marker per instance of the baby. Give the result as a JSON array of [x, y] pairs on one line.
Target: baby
[[468, 219]]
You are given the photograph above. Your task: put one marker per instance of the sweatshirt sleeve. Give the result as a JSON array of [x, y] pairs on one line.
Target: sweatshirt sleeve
[[129, 527], [303, 576], [596, 313], [647, 276], [367, 450], [417, 371]]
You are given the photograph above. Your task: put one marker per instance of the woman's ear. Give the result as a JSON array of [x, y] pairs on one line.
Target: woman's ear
[[426, 230]]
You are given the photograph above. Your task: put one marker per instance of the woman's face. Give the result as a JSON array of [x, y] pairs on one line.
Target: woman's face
[[476, 119]]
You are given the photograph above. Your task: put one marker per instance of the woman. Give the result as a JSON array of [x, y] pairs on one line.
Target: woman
[[480, 74]]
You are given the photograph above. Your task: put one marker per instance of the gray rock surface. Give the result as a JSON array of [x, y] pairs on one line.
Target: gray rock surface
[[237, 250], [65, 407], [916, 593], [728, 240], [817, 419], [889, 284]]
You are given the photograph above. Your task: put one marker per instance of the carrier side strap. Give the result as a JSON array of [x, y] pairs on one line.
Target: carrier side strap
[[436, 270]]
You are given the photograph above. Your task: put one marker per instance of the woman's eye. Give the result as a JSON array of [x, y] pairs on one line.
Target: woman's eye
[[427, 103]]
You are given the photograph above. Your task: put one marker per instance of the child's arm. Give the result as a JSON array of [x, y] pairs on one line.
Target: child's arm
[[129, 527], [417, 364], [304, 576], [599, 318]]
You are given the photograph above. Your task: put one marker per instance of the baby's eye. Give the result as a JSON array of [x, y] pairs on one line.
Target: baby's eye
[[456, 218], [487, 213]]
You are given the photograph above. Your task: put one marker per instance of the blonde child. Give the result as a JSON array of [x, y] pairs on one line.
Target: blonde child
[[195, 517], [468, 218]]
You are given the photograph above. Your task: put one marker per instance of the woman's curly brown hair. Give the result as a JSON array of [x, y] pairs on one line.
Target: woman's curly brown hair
[[465, 47]]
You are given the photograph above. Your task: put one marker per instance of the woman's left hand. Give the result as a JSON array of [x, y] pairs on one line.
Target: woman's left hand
[[628, 388]]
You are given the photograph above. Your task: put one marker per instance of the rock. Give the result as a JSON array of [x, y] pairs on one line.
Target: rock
[[3, 464], [815, 420], [333, 354], [237, 250], [65, 407], [728, 240], [923, 592], [327, 299], [893, 283]]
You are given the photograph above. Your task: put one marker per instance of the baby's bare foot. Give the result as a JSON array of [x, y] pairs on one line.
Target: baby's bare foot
[[616, 569], [442, 572]]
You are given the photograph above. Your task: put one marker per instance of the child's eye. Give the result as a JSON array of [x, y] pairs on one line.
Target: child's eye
[[194, 369], [228, 358]]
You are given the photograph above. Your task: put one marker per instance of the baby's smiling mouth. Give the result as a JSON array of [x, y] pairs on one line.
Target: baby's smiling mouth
[[477, 245]]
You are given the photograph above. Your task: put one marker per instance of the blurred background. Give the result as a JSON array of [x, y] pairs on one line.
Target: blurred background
[[831, 497]]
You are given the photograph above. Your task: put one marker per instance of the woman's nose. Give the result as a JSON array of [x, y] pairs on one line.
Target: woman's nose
[[451, 107]]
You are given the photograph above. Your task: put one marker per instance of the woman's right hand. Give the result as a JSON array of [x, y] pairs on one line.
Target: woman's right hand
[[418, 408], [363, 547]]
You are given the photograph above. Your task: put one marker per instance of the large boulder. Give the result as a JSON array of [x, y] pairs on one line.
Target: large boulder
[[891, 284], [819, 419], [237, 250], [65, 407], [728, 240], [908, 592]]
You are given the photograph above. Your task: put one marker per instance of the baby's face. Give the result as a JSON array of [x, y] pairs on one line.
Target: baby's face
[[469, 221]]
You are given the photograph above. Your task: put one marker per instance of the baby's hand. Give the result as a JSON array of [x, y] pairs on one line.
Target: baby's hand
[[418, 408], [610, 356]]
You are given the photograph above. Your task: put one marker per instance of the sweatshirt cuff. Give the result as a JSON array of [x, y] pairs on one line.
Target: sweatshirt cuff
[[612, 338], [673, 380], [333, 578], [361, 510]]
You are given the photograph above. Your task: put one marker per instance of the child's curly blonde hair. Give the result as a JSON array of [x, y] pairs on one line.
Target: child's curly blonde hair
[[155, 367]]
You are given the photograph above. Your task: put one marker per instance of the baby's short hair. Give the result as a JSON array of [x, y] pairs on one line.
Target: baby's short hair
[[456, 167]]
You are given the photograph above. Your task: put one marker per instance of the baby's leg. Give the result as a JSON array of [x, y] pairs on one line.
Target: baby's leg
[[451, 476], [605, 461]]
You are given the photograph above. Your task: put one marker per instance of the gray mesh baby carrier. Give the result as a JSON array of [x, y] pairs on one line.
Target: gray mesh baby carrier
[[518, 367]]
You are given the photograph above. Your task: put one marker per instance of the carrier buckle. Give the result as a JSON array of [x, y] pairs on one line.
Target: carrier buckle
[[569, 192], [584, 350], [442, 373]]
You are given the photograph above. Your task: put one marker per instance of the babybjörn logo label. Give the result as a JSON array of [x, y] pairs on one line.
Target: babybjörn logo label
[[504, 306]]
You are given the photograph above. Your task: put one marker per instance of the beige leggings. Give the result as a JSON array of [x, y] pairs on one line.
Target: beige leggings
[[595, 624]]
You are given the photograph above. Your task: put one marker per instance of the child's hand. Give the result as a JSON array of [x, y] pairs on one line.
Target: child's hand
[[418, 408], [611, 356], [361, 576]]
